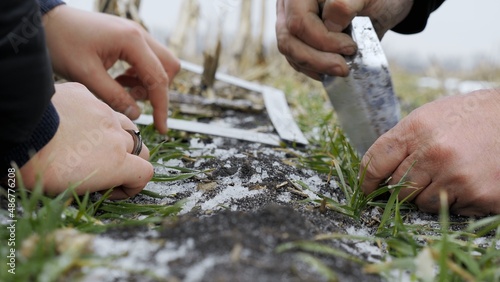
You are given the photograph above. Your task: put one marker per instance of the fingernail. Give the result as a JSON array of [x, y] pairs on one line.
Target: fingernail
[[349, 50], [339, 71], [132, 112], [331, 26]]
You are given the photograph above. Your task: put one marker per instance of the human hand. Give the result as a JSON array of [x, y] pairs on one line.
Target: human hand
[[449, 145], [307, 44], [309, 32], [91, 146], [84, 45]]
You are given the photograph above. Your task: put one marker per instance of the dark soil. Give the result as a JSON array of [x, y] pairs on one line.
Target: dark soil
[[237, 239], [250, 238]]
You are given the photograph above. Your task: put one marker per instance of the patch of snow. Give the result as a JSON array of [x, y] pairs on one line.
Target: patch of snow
[[198, 163], [171, 252], [171, 188], [227, 195], [314, 183], [198, 271], [311, 185], [226, 122], [174, 162], [255, 145], [426, 270], [224, 154], [285, 197], [273, 152], [258, 168], [132, 255], [135, 255], [372, 252], [191, 202], [249, 119], [482, 241], [198, 149], [256, 178]]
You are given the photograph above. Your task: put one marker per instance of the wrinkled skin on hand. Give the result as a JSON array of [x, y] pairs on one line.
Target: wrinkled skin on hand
[[90, 146], [84, 45], [449, 145], [454, 146], [309, 32]]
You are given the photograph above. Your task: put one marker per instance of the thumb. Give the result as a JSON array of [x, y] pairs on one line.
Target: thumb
[[338, 14], [99, 82]]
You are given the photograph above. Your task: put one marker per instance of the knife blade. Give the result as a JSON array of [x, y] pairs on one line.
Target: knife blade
[[365, 102]]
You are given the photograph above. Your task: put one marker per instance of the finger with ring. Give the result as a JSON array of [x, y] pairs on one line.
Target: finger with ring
[[136, 135]]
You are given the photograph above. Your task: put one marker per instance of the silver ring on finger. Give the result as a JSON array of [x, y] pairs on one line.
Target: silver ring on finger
[[136, 135]]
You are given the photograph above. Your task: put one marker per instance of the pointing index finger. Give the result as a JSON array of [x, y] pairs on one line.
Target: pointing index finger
[[153, 76]]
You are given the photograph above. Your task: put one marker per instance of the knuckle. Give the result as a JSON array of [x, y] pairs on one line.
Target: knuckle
[[283, 42], [155, 76], [133, 29], [163, 77], [416, 121], [295, 25], [441, 153], [175, 67], [117, 103], [370, 168]]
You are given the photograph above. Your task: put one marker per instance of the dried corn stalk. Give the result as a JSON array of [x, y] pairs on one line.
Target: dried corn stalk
[[182, 37], [123, 8]]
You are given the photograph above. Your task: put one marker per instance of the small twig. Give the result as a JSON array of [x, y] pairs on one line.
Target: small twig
[[297, 192], [239, 104]]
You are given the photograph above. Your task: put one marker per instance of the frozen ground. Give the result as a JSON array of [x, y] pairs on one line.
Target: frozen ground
[[233, 219], [231, 223]]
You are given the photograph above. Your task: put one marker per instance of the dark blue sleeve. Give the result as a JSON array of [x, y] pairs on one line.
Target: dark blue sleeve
[[416, 20], [47, 5], [28, 120]]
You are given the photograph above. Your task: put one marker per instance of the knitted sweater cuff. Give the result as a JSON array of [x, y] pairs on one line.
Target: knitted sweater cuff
[[47, 5], [44, 132]]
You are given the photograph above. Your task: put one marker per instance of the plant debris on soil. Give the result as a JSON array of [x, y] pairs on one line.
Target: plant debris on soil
[[248, 200], [233, 219], [240, 210]]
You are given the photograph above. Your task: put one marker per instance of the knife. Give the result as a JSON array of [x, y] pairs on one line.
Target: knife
[[364, 101]]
